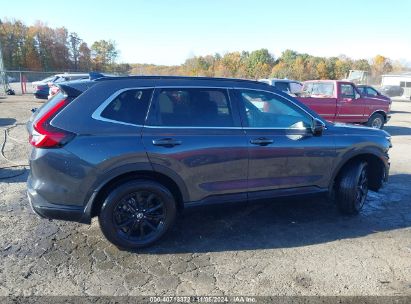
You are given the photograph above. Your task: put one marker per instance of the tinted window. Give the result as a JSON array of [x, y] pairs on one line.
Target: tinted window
[[193, 107], [347, 91], [129, 106], [266, 110], [282, 86]]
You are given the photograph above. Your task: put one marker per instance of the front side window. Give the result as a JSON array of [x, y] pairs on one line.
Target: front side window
[[197, 107], [267, 110], [371, 92], [347, 91], [129, 106]]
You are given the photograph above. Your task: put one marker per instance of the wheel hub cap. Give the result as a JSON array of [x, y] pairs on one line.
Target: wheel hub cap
[[139, 215]]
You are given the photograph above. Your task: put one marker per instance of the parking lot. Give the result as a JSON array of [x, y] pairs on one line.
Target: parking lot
[[289, 247]]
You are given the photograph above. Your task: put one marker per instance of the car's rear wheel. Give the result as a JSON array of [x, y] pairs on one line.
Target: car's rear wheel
[[376, 121], [352, 188], [136, 214]]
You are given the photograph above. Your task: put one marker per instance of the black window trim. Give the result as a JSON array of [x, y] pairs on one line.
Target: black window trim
[[233, 103]]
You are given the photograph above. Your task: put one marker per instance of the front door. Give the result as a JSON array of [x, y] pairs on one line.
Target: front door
[[196, 134], [350, 105], [283, 151]]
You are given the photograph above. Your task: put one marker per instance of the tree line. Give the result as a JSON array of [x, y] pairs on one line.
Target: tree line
[[261, 64], [41, 48]]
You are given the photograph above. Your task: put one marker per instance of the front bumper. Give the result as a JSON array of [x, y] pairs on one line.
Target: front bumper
[[54, 211]]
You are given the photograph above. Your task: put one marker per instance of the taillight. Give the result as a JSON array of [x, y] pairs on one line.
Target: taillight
[[45, 135]]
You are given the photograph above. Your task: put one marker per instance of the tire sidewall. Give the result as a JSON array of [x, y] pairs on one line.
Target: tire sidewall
[[373, 118], [106, 212], [347, 194]]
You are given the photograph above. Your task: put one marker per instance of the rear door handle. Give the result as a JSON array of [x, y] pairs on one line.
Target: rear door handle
[[167, 142], [262, 141]]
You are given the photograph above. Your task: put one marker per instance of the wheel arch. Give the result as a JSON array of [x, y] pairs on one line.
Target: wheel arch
[[382, 112], [376, 168], [130, 172]]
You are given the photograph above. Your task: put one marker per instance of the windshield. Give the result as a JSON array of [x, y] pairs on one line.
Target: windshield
[[318, 89]]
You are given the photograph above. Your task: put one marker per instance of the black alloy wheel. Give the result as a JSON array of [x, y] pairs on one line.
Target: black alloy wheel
[[137, 214]]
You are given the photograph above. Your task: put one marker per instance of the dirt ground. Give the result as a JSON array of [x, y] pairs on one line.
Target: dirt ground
[[294, 247]]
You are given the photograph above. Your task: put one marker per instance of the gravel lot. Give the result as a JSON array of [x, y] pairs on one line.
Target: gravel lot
[[293, 247]]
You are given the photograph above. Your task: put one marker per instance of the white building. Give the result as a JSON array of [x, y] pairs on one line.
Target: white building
[[403, 80]]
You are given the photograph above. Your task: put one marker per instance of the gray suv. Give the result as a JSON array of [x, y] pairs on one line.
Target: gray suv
[[135, 151]]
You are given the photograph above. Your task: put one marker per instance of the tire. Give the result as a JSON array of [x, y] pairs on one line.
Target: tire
[[352, 188], [125, 217], [376, 121]]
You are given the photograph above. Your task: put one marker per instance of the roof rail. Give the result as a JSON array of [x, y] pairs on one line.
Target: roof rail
[[103, 77]]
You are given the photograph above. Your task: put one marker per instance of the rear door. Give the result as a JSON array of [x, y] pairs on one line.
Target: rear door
[[282, 150], [196, 134]]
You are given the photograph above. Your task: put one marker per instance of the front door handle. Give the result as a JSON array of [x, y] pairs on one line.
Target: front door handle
[[166, 142], [262, 141]]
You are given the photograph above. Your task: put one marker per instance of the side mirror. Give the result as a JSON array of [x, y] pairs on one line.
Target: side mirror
[[317, 127], [357, 96]]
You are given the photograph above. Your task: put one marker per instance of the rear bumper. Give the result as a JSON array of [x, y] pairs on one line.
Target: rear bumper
[[55, 211]]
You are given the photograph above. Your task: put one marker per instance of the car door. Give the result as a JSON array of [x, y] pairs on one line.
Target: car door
[[195, 134], [350, 104], [283, 152]]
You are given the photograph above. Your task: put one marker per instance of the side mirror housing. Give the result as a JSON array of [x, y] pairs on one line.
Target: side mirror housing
[[317, 127]]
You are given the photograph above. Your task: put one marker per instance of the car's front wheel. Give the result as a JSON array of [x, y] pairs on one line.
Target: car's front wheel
[[352, 188], [137, 213], [376, 121]]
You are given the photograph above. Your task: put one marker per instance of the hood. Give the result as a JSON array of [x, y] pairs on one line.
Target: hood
[[351, 129]]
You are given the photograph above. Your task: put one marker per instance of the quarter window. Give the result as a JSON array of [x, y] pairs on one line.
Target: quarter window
[[193, 107], [129, 106], [266, 110]]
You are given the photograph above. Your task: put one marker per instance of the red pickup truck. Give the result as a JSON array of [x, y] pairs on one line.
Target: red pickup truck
[[341, 101]]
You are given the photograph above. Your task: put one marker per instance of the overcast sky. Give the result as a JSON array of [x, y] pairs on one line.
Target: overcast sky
[[168, 32]]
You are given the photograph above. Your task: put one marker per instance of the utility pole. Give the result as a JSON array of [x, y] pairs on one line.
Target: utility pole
[[3, 76]]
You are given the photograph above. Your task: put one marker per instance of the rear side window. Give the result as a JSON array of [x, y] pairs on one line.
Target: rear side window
[[318, 89], [129, 106], [192, 108]]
